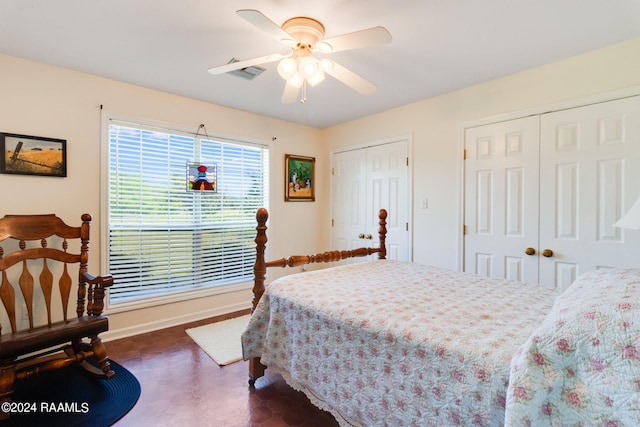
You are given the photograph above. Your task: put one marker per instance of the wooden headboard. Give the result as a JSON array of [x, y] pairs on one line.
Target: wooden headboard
[[260, 267]]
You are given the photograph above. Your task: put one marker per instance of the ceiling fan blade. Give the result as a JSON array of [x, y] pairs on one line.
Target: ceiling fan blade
[[265, 24], [350, 78], [244, 64], [364, 38], [290, 94]]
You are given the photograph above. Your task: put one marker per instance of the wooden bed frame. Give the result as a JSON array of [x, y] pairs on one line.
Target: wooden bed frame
[[256, 369]]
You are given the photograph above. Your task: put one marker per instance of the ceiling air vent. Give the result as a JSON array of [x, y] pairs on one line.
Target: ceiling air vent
[[247, 73]]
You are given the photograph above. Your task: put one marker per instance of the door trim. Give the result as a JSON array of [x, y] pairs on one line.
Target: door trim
[[409, 138], [537, 110]]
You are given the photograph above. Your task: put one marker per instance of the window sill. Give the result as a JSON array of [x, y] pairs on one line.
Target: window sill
[[178, 297]]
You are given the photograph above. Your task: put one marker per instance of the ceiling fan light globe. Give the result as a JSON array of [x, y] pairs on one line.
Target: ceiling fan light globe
[[324, 47], [296, 80], [290, 42], [316, 78], [326, 64], [287, 68], [308, 67]]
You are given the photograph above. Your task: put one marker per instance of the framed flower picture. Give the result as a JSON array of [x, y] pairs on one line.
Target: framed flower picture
[[299, 178]]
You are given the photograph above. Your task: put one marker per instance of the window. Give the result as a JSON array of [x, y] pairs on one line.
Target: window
[[165, 240]]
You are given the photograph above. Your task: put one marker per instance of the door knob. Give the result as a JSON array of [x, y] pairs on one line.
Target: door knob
[[361, 236], [530, 251], [547, 253], [368, 237]]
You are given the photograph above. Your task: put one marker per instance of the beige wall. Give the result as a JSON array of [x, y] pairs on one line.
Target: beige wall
[[41, 100], [436, 125]]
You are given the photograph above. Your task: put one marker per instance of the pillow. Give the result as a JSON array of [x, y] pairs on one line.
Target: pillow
[[582, 365]]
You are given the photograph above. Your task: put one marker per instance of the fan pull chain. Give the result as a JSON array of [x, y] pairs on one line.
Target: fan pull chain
[[303, 98]]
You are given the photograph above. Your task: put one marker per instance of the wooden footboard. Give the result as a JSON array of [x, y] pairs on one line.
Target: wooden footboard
[[256, 369]]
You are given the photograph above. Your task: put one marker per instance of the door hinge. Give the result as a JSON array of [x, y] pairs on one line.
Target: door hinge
[[407, 161], [464, 230], [464, 154], [332, 222], [332, 171], [406, 226]]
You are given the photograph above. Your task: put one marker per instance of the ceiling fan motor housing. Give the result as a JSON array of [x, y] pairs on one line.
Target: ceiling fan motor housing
[[306, 31]]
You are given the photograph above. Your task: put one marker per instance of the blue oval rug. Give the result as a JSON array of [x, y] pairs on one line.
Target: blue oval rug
[[71, 397]]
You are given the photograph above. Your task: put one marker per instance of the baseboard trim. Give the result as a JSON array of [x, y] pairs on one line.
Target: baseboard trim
[[130, 331]]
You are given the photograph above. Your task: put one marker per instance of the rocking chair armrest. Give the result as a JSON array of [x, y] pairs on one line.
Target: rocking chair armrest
[[96, 294], [103, 281]]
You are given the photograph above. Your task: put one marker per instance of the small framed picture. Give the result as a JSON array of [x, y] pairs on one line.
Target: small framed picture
[[33, 155], [299, 178], [201, 177]]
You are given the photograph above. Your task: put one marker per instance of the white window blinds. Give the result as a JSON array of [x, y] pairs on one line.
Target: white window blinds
[[164, 239]]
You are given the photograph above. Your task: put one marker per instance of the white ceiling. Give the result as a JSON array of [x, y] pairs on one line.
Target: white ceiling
[[438, 45]]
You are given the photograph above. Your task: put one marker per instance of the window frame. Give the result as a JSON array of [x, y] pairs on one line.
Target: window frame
[[108, 118]]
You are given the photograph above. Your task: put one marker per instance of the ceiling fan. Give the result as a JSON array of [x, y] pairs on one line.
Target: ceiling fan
[[304, 36]]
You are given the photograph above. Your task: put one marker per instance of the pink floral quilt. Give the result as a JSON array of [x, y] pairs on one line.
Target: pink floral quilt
[[581, 367], [389, 343]]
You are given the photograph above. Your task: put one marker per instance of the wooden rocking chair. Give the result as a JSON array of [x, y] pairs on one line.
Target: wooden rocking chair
[[33, 346]]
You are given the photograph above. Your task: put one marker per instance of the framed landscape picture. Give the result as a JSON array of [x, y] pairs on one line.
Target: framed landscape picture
[[33, 155], [299, 178]]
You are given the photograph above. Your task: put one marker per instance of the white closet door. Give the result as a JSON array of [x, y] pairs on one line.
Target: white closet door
[[501, 199], [590, 174], [364, 181], [349, 193], [388, 188]]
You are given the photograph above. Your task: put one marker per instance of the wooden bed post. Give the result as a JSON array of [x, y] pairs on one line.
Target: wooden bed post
[[256, 369], [259, 268], [382, 234]]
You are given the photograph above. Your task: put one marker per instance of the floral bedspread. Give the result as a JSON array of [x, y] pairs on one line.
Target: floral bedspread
[[388, 343], [581, 367]]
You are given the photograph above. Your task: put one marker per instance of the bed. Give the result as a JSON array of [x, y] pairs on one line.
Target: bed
[[390, 343]]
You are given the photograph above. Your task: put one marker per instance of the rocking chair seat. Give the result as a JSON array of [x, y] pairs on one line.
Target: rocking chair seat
[[28, 341]]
